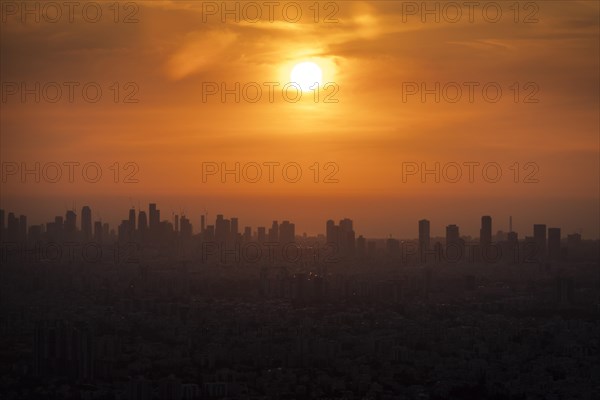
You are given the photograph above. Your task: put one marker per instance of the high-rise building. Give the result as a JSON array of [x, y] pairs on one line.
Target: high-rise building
[[98, 231], [185, 227], [539, 237], [274, 232], [454, 244], [234, 227], [287, 232], [347, 237], [485, 233], [70, 222], [554, 243], [154, 217], [220, 234], [331, 237], [86, 222], [202, 224], [132, 220], [261, 233], [105, 231], [361, 246], [22, 228], [452, 235], [142, 221], [12, 231]]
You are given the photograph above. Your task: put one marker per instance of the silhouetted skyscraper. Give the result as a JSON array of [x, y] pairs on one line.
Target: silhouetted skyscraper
[[12, 233], [185, 227], [454, 244], [132, 220], [98, 231], [274, 232], [22, 228], [261, 233], [234, 227], [86, 222], [287, 232], [347, 237], [331, 237], [154, 216], [220, 234], [554, 243], [452, 235], [70, 222], [142, 221], [539, 237]]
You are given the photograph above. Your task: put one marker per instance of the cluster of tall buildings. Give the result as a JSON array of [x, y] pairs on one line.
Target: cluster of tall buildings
[[342, 237], [545, 242], [228, 231], [148, 227], [140, 227]]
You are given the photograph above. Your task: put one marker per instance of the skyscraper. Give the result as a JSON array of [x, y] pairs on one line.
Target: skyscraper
[[539, 237], [330, 232], [452, 235], [274, 232], [220, 229], [142, 221], [347, 237], [12, 233], [454, 244], [70, 222], [361, 245], [234, 227], [554, 243], [185, 227], [261, 234], [22, 228], [154, 216], [485, 233], [98, 232], [424, 235], [132, 220], [287, 232], [86, 222]]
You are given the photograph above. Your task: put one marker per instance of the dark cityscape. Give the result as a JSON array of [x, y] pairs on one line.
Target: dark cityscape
[[156, 309], [299, 200]]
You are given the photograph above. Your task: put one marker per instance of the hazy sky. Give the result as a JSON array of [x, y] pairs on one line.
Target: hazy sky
[[379, 56]]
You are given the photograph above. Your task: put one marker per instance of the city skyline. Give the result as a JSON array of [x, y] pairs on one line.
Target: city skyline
[[308, 200], [141, 221]]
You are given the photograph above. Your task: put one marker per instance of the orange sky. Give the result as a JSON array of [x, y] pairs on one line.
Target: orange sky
[[176, 47]]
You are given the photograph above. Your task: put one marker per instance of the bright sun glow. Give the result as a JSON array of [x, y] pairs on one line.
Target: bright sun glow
[[306, 74]]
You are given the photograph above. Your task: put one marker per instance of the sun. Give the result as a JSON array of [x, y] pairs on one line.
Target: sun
[[306, 74]]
